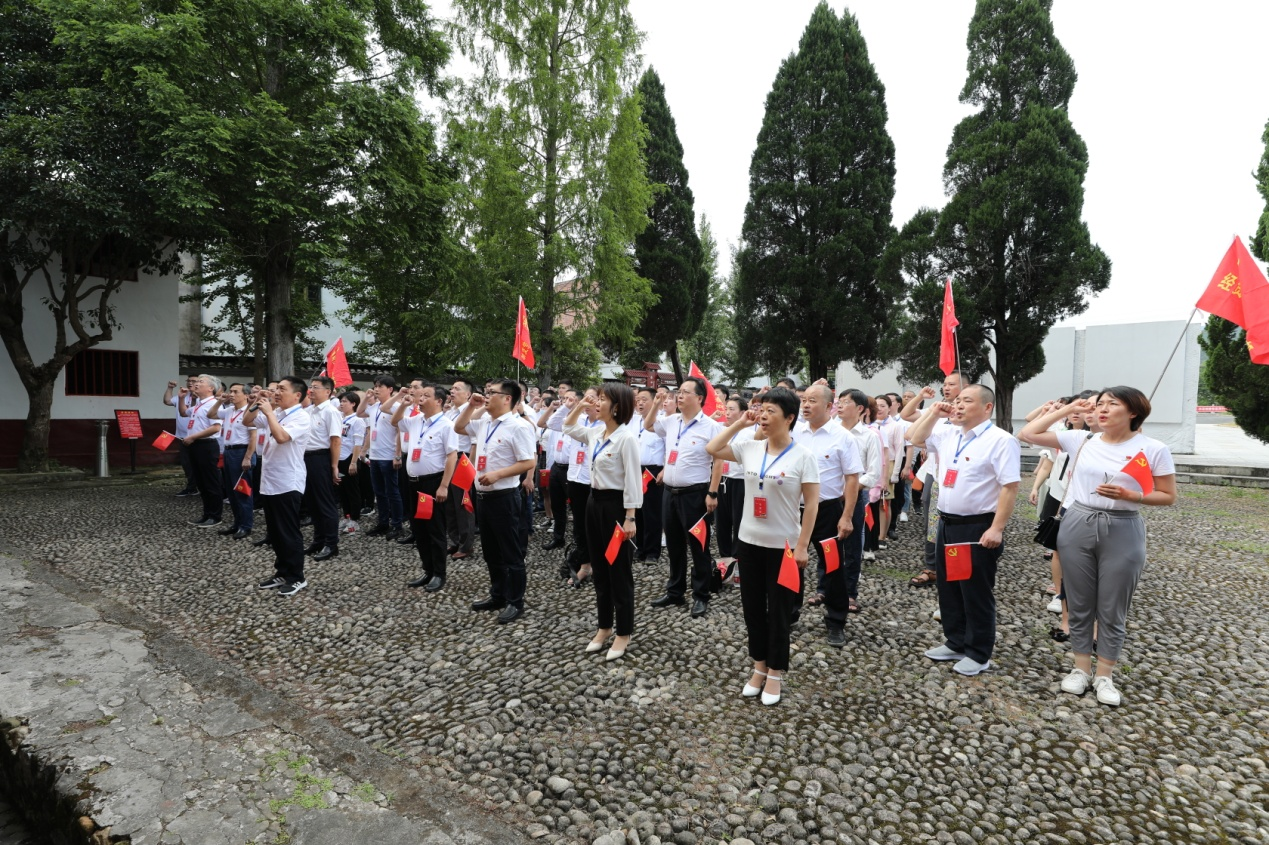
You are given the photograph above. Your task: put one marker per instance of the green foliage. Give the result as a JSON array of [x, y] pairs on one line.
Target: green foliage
[[714, 345], [821, 183], [1236, 382], [1260, 242]]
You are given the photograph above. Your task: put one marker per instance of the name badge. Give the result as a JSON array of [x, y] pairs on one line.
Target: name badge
[[374, 435], [726, 467], [559, 445], [260, 444], [416, 454], [949, 478], [581, 456], [760, 507], [674, 458], [190, 424], [480, 463]]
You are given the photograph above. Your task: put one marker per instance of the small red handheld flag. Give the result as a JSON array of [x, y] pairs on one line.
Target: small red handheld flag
[[614, 544], [885, 506], [163, 440], [464, 473], [424, 510], [958, 559], [831, 561], [220, 461], [467, 505], [648, 478], [523, 351], [337, 364], [243, 486], [710, 405], [544, 479], [790, 578], [869, 522], [700, 531], [947, 342], [1139, 469]]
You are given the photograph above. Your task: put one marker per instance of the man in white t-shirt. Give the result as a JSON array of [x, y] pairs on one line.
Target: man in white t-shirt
[[201, 435], [460, 524], [321, 462], [180, 402], [377, 407], [930, 473], [282, 476], [652, 461]]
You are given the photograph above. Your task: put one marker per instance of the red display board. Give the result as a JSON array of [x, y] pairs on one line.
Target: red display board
[[129, 424]]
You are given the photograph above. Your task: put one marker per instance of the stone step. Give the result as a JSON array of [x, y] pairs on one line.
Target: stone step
[[1222, 480], [1183, 466]]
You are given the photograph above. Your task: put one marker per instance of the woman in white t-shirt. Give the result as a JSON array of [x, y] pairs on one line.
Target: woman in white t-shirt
[[779, 474], [1102, 541]]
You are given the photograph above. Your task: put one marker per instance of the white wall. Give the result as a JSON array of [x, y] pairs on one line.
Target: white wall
[[332, 305]]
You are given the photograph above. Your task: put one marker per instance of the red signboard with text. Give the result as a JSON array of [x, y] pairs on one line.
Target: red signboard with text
[[129, 424]]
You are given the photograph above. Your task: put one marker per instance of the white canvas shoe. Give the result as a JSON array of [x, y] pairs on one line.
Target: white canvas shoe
[[1106, 692], [1077, 682], [1054, 606]]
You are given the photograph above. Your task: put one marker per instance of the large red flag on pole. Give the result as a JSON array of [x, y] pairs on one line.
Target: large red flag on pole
[[337, 365], [1239, 292], [710, 404], [523, 351], [947, 347]]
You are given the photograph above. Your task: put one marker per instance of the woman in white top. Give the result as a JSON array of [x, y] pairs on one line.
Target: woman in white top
[[1102, 541], [731, 493], [779, 474], [616, 481]]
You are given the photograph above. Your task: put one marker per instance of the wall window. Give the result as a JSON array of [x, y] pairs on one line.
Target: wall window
[[103, 372]]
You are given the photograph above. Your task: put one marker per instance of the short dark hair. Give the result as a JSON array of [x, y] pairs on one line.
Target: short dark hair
[[788, 382], [509, 386], [440, 391], [698, 386], [464, 382], [1138, 404], [643, 388], [895, 399], [296, 383], [988, 395], [234, 384], [326, 382], [784, 399], [741, 402], [385, 380], [548, 396], [565, 383], [622, 398], [855, 395], [352, 396]]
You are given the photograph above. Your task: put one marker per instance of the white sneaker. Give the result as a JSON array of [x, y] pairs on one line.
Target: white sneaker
[[903, 516], [343, 520], [942, 652], [1106, 692], [969, 666], [1054, 606], [869, 556], [1077, 682], [937, 615]]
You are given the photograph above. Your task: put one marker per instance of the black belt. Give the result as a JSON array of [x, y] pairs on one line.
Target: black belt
[[690, 488], [229, 446], [317, 451], [425, 475], [560, 464], [496, 494], [974, 519]]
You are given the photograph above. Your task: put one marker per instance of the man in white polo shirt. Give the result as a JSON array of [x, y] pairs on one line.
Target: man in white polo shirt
[[652, 461], [503, 444], [431, 453], [201, 435], [282, 481], [377, 407], [978, 485], [321, 464]]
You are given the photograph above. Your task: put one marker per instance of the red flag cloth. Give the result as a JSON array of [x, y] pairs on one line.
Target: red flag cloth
[[424, 510], [699, 531], [322, 373], [711, 399], [164, 440], [464, 474], [467, 505], [885, 506], [243, 486], [614, 544], [1139, 469], [220, 461], [1239, 292], [790, 578], [869, 522], [523, 351], [958, 559], [648, 478], [544, 479], [947, 346], [831, 561], [337, 364]]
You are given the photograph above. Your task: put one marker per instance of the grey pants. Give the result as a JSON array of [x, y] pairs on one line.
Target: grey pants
[[1102, 554]]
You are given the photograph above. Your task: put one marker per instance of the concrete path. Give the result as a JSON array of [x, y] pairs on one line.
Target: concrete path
[[1226, 445]]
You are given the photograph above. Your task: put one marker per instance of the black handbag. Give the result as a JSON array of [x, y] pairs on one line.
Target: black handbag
[[1046, 533]]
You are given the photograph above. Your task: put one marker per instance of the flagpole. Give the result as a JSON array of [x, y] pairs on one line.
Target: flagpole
[[1184, 332]]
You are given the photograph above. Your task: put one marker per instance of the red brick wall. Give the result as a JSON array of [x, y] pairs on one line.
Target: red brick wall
[[74, 443]]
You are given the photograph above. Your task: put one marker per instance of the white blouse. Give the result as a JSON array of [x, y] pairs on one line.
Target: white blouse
[[614, 461]]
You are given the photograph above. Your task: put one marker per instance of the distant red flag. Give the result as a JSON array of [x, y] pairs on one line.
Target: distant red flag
[[523, 351], [790, 578], [648, 478], [1239, 292], [831, 561], [1139, 469], [711, 399], [467, 505], [424, 510], [958, 559], [464, 473], [322, 373], [700, 531], [337, 364], [614, 544], [947, 345], [869, 522], [164, 440], [243, 486]]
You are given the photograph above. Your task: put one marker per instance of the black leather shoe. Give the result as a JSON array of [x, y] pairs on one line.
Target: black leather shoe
[[451, 550], [699, 609], [488, 603], [510, 613], [225, 532], [393, 534], [406, 539], [836, 637], [313, 549], [553, 544], [435, 585], [377, 531], [263, 541], [667, 600], [420, 582], [326, 553], [241, 534]]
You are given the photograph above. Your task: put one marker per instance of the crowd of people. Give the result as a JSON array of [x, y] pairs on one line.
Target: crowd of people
[[776, 478]]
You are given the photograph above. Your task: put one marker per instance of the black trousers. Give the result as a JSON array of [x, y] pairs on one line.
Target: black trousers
[[503, 542], [319, 495], [614, 583], [350, 489], [900, 498], [852, 550], [365, 486], [182, 454], [282, 510], [768, 607], [429, 534], [968, 607], [203, 457], [578, 495], [831, 584], [872, 536], [731, 510], [681, 509], [559, 500], [648, 519], [460, 523]]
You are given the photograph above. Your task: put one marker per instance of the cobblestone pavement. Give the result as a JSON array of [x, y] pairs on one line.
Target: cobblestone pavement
[[872, 743]]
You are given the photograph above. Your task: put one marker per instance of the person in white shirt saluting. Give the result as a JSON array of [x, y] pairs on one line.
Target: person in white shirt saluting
[[979, 467], [431, 455], [202, 427], [282, 476], [321, 465], [504, 447]]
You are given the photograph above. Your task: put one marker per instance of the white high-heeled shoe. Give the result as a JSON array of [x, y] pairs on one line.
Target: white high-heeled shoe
[[751, 691], [595, 645], [768, 699]]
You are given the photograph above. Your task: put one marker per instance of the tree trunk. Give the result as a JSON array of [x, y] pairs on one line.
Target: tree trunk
[[1004, 391], [674, 360], [260, 367], [281, 334], [33, 454]]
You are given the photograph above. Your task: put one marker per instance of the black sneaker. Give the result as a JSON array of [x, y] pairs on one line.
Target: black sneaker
[[292, 588], [367, 510], [836, 637], [271, 583], [209, 522], [186, 493]]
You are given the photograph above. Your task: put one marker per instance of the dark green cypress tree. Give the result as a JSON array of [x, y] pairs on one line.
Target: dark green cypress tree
[[1012, 236], [821, 182], [668, 252]]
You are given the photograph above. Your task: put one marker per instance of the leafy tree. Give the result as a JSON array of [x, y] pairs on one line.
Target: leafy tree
[[821, 183], [1011, 236], [1237, 383], [553, 185]]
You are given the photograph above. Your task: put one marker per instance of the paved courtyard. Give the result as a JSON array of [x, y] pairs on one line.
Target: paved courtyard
[[872, 743]]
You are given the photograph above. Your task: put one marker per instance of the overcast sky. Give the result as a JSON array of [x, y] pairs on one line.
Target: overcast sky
[[1170, 100]]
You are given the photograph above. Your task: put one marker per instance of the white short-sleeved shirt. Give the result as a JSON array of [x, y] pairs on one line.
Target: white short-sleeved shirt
[[181, 420], [1100, 459], [429, 441], [326, 423], [383, 434], [233, 431], [352, 431], [869, 455], [686, 461], [464, 442], [984, 459], [202, 416], [575, 451], [499, 444], [282, 469], [782, 489], [836, 455], [651, 446], [734, 469], [614, 462]]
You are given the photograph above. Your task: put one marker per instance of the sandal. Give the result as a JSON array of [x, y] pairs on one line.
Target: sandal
[[582, 576], [1059, 635], [926, 578], [852, 606], [815, 600]]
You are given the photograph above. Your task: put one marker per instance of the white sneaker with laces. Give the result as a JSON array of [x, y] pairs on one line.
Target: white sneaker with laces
[[1077, 682], [1054, 606], [1106, 692], [292, 588], [903, 517], [942, 652], [969, 666]]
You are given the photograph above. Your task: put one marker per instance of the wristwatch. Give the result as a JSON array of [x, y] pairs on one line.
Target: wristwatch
[[713, 494]]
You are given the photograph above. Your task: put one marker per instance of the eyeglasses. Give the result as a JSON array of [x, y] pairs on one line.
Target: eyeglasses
[[496, 393]]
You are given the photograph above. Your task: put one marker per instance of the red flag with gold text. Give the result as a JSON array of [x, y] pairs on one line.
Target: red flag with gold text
[[1239, 292], [523, 351]]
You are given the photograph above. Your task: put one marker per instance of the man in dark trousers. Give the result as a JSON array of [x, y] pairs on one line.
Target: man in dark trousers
[[431, 453], [282, 481], [201, 436], [321, 465]]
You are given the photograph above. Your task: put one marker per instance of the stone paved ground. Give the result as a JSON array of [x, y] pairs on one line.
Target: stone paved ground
[[872, 743]]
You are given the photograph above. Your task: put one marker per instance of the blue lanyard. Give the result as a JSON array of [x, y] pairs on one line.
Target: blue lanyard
[[762, 474], [683, 430], [960, 448], [595, 455], [428, 427], [492, 429]]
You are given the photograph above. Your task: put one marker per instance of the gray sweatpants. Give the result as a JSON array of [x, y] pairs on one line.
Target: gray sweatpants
[[1102, 554]]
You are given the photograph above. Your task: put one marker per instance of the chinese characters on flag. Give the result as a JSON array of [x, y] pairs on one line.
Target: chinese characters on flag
[[1239, 293], [523, 351]]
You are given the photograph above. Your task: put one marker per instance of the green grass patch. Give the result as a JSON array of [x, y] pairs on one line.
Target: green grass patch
[[366, 792], [1244, 546]]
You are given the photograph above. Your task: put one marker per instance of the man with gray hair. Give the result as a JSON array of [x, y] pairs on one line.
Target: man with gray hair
[[200, 436]]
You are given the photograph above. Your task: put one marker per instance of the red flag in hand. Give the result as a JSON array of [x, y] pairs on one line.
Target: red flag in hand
[[337, 365], [614, 544], [869, 522], [958, 559], [243, 486], [1139, 469], [424, 510], [790, 578], [831, 561], [710, 404], [700, 531], [163, 440], [467, 505], [544, 479], [464, 473], [947, 344], [220, 461], [648, 478], [523, 351]]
